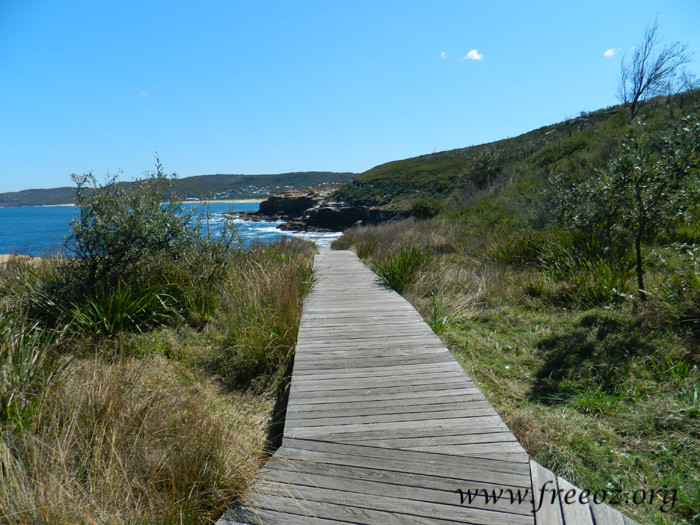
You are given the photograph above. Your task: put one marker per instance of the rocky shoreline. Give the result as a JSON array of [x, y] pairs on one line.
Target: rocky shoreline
[[313, 209]]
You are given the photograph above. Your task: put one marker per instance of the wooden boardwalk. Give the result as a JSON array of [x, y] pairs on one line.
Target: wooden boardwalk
[[383, 426]]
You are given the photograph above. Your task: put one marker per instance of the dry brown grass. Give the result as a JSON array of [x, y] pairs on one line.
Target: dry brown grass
[[136, 441]]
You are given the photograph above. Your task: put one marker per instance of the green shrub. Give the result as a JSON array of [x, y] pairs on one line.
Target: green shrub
[[138, 262], [426, 207], [440, 321], [119, 226], [397, 269]]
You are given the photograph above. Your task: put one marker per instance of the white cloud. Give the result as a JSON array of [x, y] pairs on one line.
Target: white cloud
[[443, 55], [143, 94], [609, 53], [473, 55]]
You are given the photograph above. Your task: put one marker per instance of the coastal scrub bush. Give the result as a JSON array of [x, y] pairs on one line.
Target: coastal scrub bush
[[648, 189], [140, 259], [120, 226], [426, 207]]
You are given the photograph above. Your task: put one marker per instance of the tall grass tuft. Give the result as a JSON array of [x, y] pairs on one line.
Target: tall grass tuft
[[397, 269], [129, 442], [680, 294], [260, 313], [576, 269], [123, 307], [27, 364]]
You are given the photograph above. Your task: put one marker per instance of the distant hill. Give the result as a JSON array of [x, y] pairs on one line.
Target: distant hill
[[219, 186]]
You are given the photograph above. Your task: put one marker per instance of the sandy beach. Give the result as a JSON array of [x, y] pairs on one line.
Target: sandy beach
[[7, 258]]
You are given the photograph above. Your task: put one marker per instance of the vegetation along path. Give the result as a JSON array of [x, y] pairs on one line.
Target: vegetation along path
[[384, 426]]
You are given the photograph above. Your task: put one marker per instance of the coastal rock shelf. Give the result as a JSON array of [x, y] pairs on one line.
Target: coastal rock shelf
[[383, 426], [313, 209]]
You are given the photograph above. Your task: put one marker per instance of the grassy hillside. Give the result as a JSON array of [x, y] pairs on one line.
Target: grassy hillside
[[214, 186], [462, 176], [530, 279]]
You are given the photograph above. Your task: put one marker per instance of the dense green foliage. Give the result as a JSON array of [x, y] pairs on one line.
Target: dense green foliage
[[650, 187], [137, 262]]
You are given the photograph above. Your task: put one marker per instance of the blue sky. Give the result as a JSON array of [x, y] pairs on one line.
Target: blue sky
[[275, 86]]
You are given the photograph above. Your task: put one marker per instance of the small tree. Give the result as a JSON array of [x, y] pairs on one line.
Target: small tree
[[646, 189], [118, 225], [122, 226], [651, 69]]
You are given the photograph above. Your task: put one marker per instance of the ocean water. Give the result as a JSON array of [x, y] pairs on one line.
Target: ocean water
[[42, 230]]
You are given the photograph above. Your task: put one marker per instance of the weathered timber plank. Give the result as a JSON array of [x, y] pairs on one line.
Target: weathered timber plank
[[248, 516], [443, 482], [329, 430], [546, 502], [295, 446], [409, 390], [469, 449], [399, 507], [393, 487], [392, 369], [434, 441], [346, 513], [575, 511], [348, 398], [310, 422], [344, 383], [606, 515], [407, 407], [428, 401]]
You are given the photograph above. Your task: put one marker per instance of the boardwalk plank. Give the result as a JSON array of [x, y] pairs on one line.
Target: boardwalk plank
[[399, 507], [309, 446], [544, 486], [574, 512], [366, 481], [442, 482]]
